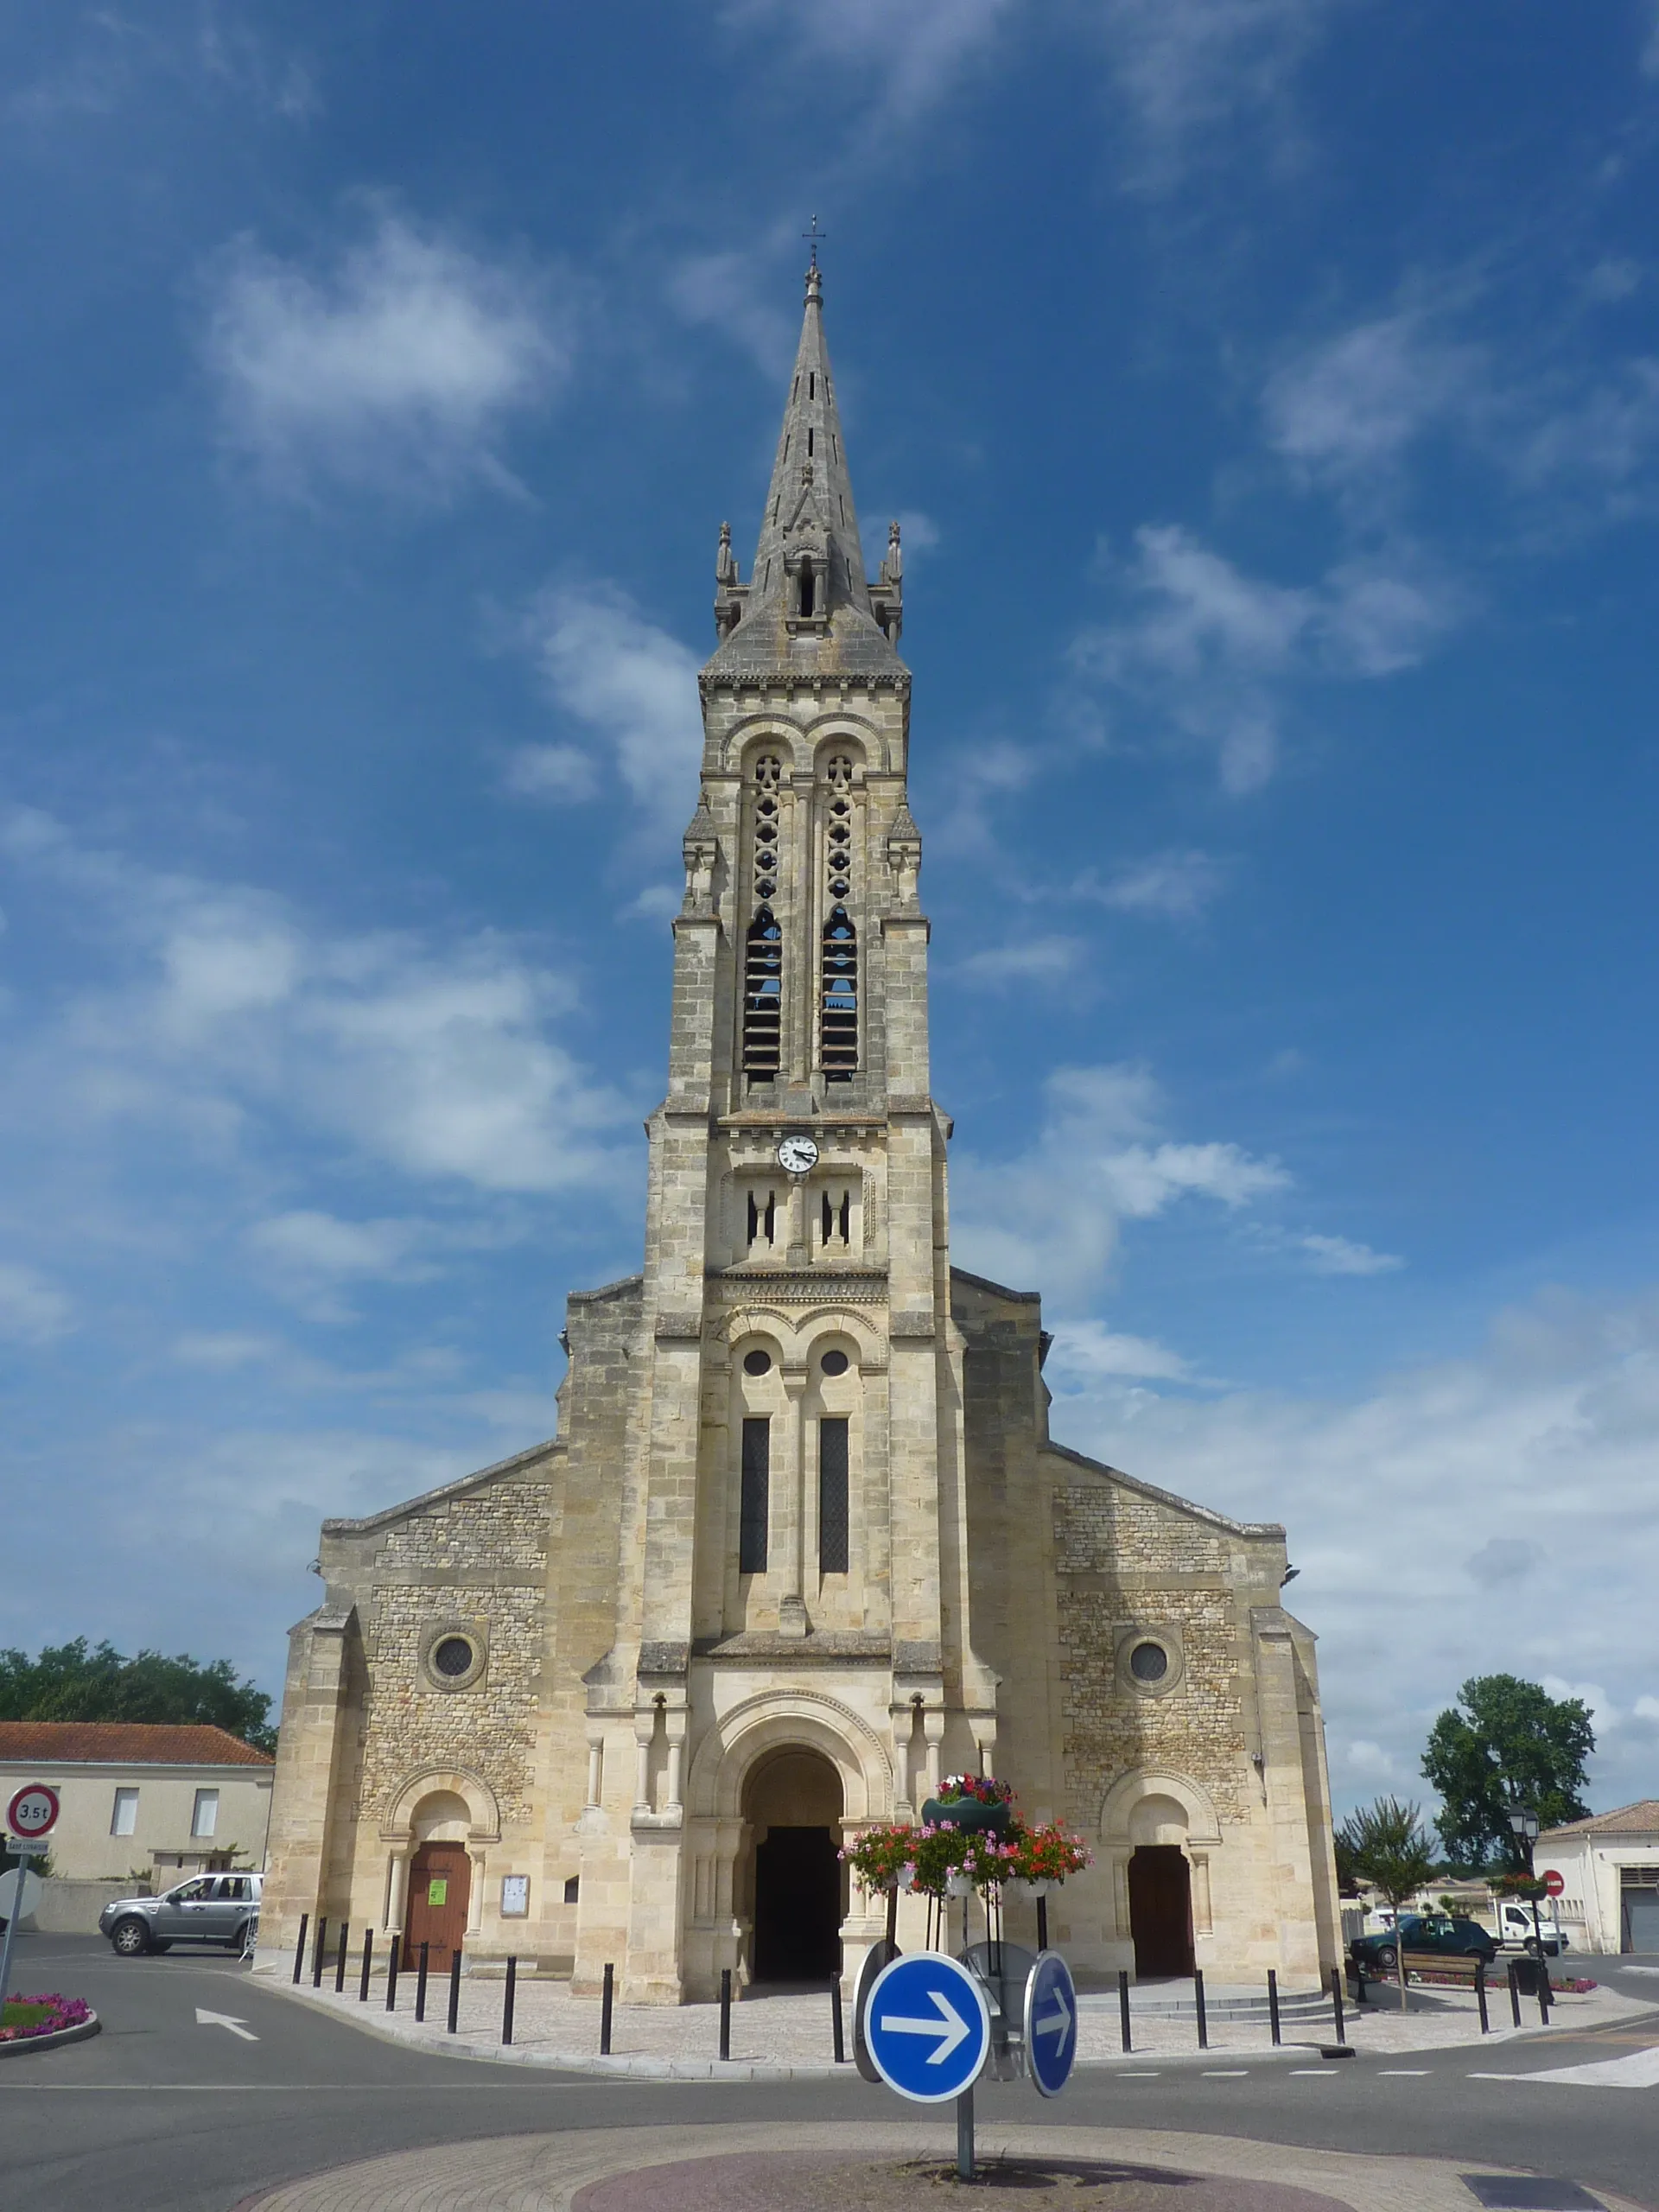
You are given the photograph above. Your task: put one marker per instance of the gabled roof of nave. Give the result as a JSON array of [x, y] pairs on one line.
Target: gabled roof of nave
[[810, 503]]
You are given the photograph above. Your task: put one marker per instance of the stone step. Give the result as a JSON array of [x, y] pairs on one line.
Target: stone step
[[1165, 2001]]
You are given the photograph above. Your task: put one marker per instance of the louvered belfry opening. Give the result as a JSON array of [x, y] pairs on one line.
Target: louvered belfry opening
[[839, 1017], [763, 950]]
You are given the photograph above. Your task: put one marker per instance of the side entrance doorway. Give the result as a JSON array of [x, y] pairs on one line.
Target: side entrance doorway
[[1161, 1911], [792, 1802], [440, 1881]]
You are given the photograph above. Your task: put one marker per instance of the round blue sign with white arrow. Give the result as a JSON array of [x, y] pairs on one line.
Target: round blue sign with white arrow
[[927, 2027], [1051, 2023]]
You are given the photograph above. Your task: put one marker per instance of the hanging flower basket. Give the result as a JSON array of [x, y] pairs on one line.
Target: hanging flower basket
[[971, 1839], [976, 1803]]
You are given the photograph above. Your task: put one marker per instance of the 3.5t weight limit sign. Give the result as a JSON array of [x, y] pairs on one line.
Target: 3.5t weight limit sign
[[33, 1811]]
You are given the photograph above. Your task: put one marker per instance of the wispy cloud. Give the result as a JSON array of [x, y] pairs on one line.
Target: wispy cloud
[[909, 60], [1348, 407], [1176, 885], [633, 685], [1052, 1215], [1028, 960], [1186, 66], [1087, 1351], [396, 366], [1340, 1255], [228, 1015], [1213, 651], [32, 1309]]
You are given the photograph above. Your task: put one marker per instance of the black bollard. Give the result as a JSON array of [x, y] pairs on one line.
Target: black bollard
[[340, 1960], [507, 2001], [391, 1974], [725, 2011], [838, 2026], [1480, 1995], [1543, 1989], [455, 1988], [1123, 2006], [299, 1948], [317, 1950], [1203, 2017], [1514, 1993], [368, 1954], [605, 2012], [420, 1982], [1042, 1941], [1336, 2003], [1273, 2004], [892, 1917]]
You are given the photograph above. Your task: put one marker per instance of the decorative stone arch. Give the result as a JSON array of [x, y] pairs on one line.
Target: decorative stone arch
[[1203, 1825], [482, 1811], [790, 1719], [794, 1334], [767, 733]]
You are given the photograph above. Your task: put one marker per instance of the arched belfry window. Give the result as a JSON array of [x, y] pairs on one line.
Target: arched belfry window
[[838, 982], [840, 1008], [763, 949]]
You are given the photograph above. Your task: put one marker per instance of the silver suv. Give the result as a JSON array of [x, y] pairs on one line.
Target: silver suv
[[207, 1909]]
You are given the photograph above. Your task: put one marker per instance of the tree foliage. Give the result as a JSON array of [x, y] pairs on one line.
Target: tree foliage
[[1388, 1846], [70, 1682], [1506, 1743]]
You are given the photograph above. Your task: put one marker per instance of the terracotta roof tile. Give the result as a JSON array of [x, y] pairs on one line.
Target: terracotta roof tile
[[1640, 1818], [125, 1743]]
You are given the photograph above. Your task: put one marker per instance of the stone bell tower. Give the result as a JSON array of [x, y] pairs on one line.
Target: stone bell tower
[[796, 1476]]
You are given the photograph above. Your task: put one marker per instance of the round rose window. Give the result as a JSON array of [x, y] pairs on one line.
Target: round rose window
[[452, 1656], [1148, 1662]]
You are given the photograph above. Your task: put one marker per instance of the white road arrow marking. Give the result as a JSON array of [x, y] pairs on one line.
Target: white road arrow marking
[[951, 2028], [1058, 2022], [223, 2020]]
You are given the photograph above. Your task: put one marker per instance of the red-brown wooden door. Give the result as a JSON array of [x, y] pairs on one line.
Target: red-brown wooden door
[[1161, 1911], [439, 1877]]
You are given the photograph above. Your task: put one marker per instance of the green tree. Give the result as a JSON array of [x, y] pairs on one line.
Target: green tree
[[1505, 1743], [70, 1682], [1389, 1847]]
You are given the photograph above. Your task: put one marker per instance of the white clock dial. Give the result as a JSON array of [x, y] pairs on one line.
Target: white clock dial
[[797, 1155]]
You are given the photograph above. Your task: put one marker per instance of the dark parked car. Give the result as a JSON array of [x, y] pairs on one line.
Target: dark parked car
[[1425, 1932]]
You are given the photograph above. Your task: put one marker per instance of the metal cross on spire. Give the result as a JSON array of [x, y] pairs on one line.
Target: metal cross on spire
[[815, 237]]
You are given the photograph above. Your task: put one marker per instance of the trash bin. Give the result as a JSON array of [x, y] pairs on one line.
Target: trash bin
[[1531, 1975]]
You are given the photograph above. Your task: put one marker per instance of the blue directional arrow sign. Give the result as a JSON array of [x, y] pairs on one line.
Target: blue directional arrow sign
[[927, 2027], [1051, 2023]]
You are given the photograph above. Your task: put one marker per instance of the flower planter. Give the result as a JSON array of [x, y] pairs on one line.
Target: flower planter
[[969, 1815], [958, 1885], [1018, 1886]]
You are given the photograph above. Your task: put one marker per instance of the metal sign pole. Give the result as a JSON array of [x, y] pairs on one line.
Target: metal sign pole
[[12, 1919], [965, 2136]]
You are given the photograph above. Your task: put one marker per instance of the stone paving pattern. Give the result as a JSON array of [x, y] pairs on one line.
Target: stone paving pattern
[[560, 2173], [791, 2035]]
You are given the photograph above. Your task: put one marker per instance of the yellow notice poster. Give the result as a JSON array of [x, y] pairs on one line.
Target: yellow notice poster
[[437, 1892]]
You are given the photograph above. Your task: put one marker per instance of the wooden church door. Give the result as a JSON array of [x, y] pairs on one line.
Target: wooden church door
[[1161, 1911], [440, 1880]]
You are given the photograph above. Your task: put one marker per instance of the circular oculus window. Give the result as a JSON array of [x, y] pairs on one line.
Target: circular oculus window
[[453, 1656], [757, 1362], [1149, 1662], [834, 1362]]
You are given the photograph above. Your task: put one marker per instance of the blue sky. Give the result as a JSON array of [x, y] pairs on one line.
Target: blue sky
[[1270, 391]]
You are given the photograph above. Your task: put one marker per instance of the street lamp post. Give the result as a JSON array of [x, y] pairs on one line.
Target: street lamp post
[[1525, 1827]]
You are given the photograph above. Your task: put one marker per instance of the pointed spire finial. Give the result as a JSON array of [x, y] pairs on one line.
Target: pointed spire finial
[[815, 237]]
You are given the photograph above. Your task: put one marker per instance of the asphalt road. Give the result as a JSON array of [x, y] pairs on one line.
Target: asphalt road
[[163, 2112]]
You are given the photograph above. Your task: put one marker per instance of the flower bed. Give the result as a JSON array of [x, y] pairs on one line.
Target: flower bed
[[25, 2020]]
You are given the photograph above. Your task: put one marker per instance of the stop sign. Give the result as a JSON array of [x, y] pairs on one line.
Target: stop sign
[[33, 1810], [1553, 1883]]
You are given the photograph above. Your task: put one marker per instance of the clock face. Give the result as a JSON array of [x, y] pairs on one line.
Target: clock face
[[797, 1155]]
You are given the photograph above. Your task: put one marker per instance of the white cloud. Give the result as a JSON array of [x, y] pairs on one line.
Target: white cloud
[[911, 58], [1351, 406], [1646, 1708], [1419, 1510], [1186, 66], [224, 1351], [32, 1309], [233, 1018], [1650, 47], [736, 292], [1177, 885], [632, 682], [1034, 960], [397, 368], [1339, 1255], [1087, 1351], [918, 533], [1214, 651], [1051, 1215], [556, 773], [320, 1243], [1365, 1758], [1612, 433]]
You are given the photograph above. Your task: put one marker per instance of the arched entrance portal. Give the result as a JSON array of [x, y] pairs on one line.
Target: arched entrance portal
[[792, 1802], [440, 1880]]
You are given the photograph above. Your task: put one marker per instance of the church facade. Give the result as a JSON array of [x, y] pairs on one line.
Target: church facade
[[803, 1544]]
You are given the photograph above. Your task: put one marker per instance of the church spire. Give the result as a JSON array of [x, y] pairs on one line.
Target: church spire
[[808, 582]]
